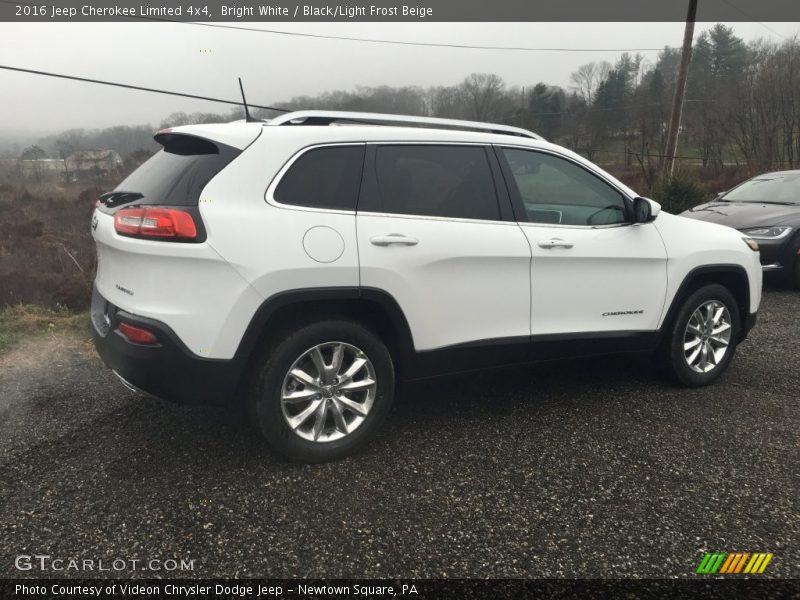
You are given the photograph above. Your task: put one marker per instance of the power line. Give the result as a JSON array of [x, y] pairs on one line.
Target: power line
[[136, 87], [431, 44], [404, 42], [752, 18]]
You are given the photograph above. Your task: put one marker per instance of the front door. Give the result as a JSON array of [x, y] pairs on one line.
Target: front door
[[593, 270]]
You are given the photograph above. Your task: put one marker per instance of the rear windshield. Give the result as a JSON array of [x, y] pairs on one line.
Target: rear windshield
[[175, 175]]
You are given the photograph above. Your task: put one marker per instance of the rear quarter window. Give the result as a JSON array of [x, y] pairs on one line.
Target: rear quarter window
[[328, 177]]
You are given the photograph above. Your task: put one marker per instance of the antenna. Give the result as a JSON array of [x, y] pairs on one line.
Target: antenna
[[247, 116]]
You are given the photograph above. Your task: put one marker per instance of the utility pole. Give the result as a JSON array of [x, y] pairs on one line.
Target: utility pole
[[680, 91]]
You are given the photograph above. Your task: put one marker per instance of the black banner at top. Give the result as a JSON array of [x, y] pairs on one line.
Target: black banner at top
[[397, 11]]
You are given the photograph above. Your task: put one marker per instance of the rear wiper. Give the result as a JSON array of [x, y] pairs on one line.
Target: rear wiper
[[115, 198]]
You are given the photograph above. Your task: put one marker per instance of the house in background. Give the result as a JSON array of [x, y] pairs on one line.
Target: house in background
[[81, 165], [91, 164], [37, 168]]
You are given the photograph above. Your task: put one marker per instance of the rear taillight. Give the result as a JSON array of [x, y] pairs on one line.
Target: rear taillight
[[156, 223], [137, 335]]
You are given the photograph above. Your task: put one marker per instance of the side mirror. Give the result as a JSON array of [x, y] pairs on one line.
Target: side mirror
[[645, 210]]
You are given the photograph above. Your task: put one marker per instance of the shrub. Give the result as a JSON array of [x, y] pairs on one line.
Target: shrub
[[47, 254], [679, 193]]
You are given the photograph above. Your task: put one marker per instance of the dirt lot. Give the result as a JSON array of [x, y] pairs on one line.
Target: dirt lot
[[582, 469]]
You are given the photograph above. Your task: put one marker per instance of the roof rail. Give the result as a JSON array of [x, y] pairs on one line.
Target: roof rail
[[322, 117]]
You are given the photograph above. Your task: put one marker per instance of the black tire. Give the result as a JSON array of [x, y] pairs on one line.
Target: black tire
[[673, 356], [266, 391]]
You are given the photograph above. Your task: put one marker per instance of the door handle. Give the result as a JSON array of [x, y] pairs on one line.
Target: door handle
[[390, 239], [554, 243]]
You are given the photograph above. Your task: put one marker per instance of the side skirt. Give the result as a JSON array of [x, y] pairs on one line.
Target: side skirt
[[489, 354], [576, 345]]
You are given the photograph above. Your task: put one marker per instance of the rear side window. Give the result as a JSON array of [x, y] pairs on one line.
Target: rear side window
[[439, 181], [323, 178], [175, 175]]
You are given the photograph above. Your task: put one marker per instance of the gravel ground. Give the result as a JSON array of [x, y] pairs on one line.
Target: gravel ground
[[582, 469]]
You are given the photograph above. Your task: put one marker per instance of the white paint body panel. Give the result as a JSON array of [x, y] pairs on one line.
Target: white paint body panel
[[606, 270], [264, 241], [462, 282], [691, 244], [190, 287]]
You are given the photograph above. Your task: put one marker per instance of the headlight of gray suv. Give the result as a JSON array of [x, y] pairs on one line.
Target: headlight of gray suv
[[767, 233]]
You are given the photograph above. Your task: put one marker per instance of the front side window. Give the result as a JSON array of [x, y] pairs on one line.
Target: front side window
[[558, 191], [327, 177], [438, 181]]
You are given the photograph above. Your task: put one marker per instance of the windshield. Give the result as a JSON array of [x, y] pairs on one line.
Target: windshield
[[777, 188]]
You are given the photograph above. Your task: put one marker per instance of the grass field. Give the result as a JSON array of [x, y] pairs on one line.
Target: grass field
[[23, 321]]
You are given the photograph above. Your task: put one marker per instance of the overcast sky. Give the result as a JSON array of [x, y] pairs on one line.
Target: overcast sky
[[206, 61]]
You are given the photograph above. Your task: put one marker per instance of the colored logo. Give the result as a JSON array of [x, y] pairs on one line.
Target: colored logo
[[734, 562]]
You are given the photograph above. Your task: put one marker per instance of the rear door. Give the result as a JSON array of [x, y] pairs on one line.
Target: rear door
[[435, 231]]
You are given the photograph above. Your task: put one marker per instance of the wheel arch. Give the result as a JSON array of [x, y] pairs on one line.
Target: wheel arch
[[285, 311], [733, 277]]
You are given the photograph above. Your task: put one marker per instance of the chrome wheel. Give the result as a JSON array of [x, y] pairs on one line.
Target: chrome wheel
[[707, 337], [328, 392]]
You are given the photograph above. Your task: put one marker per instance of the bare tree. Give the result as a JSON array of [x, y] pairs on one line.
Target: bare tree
[[603, 69], [482, 93], [65, 148], [585, 80], [446, 101]]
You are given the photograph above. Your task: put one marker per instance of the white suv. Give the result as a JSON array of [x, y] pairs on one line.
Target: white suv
[[303, 268]]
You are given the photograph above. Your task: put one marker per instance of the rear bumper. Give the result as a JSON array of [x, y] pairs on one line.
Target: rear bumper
[[169, 370]]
